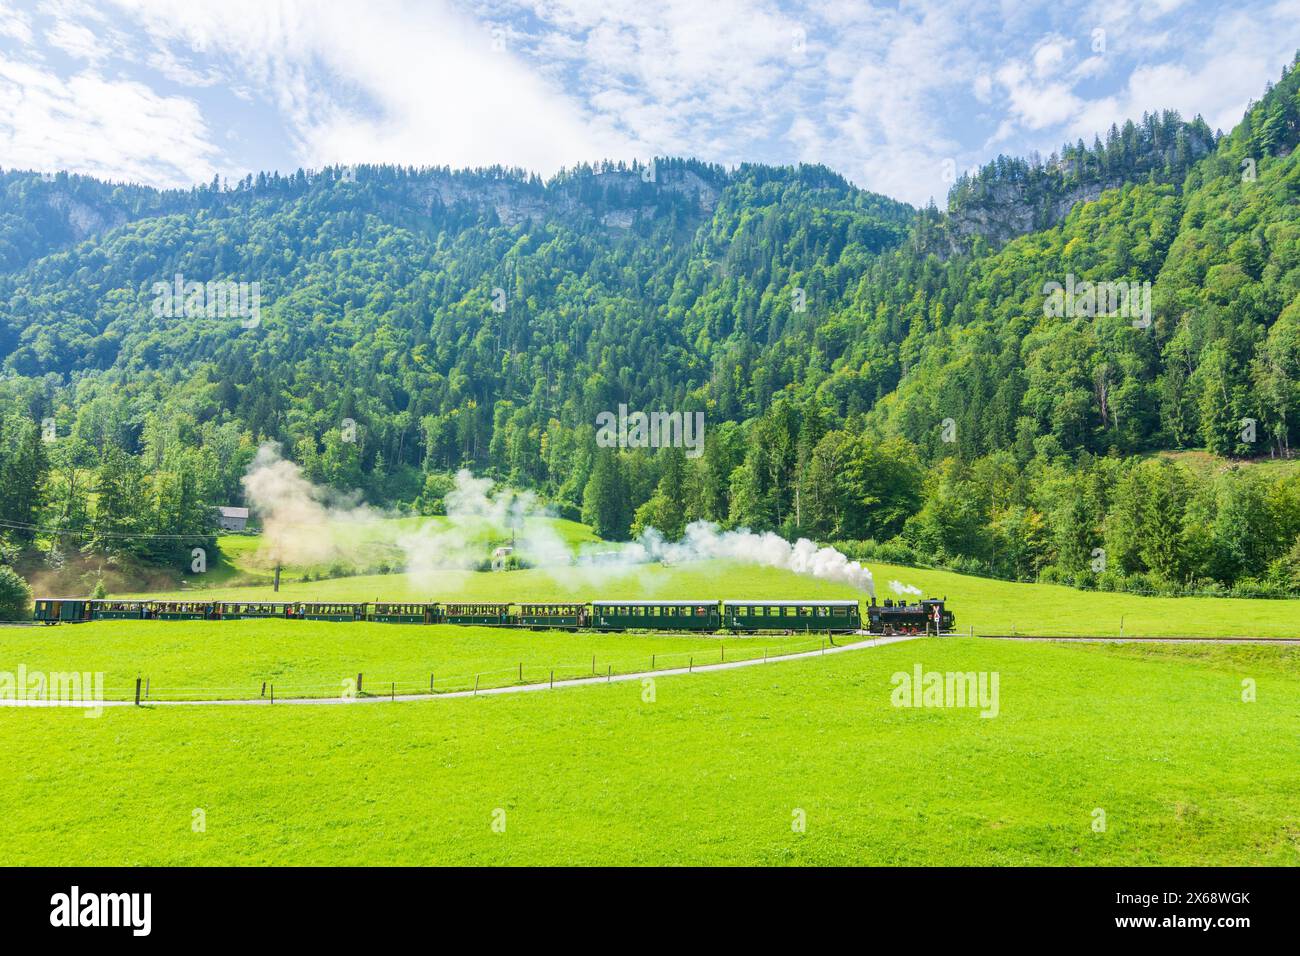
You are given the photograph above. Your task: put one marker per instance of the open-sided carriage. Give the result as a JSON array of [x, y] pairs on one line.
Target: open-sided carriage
[[554, 615], [495, 615], [251, 610], [182, 611], [405, 613], [329, 612], [107, 610]]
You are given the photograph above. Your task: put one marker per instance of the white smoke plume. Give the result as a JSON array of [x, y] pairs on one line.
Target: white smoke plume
[[476, 517], [302, 523], [704, 541], [898, 587]]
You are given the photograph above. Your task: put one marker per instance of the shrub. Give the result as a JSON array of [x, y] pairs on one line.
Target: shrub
[[15, 596], [896, 551]]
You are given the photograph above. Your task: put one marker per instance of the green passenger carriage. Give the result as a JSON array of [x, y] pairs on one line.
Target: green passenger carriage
[[181, 611], [104, 610], [329, 612], [819, 615], [655, 615], [554, 615], [62, 610], [251, 610], [491, 614], [405, 613]]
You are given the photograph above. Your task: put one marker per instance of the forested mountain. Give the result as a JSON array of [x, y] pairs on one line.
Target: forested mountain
[[866, 370]]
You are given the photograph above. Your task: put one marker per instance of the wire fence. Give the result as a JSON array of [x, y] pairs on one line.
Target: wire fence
[[434, 683]]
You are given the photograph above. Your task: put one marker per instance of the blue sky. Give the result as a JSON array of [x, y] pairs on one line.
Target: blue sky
[[896, 96]]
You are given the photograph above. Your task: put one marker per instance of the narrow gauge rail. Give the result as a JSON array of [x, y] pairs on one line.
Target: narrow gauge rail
[[703, 616]]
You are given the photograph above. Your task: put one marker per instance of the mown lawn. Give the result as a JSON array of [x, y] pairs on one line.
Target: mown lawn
[[707, 769]]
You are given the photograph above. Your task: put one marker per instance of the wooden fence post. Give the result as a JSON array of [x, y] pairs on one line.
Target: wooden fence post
[[521, 672], [137, 692], [359, 676], [273, 693], [392, 691], [552, 678], [690, 666], [263, 694], [476, 677]]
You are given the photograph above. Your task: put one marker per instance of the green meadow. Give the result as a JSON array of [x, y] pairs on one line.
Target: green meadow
[[206, 660], [1098, 755]]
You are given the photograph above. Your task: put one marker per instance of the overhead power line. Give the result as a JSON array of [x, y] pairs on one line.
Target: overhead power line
[[87, 533]]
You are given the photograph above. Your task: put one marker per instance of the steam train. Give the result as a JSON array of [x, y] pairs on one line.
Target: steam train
[[822, 616]]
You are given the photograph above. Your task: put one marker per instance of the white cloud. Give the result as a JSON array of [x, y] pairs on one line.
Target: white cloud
[[388, 82], [1049, 55], [886, 94], [15, 24], [1220, 70], [1037, 106], [113, 129], [76, 41]]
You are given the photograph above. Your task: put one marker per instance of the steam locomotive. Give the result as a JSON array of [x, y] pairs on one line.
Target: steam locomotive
[[823, 616]]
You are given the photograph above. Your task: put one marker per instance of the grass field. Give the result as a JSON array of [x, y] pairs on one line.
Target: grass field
[[988, 606], [714, 769], [703, 769], [205, 660]]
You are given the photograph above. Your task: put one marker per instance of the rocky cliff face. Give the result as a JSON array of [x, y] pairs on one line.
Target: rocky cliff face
[[83, 219], [617, 198], [1005, 211]]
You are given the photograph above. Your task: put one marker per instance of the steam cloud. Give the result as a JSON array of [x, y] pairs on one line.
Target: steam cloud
[[305, 524], [704, 541], [302, 523], [475, 517], [898, 587]]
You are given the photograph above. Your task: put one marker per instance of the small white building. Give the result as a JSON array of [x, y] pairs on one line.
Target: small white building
[[231, 519], [499, 557]]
